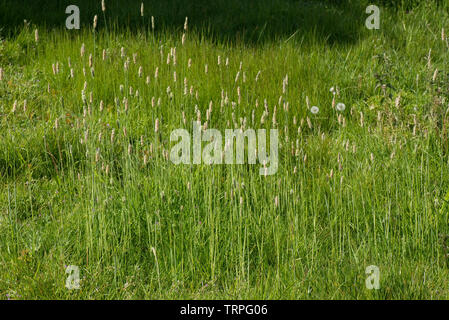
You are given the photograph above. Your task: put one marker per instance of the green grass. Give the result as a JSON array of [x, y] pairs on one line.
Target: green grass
[[366, 186]]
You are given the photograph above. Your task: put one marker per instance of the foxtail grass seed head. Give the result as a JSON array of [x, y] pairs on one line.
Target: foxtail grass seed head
[[156, 125], [145, 159], [443, 36], [82, 50], [276, 201], [1, 74], [97, 155], [36, 36], [152, 23], [56, 123], [104, 54], [95, 22], [126, 104], [183, 39], [14, 106], [103, 6], [435, 74], [186, 24], [112, 135], [141, 10]]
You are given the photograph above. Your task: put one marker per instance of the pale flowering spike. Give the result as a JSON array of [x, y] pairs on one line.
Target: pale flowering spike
[[36, 36], [141, 9], [14, 106], [309, 123], [156, 125], [183, 39], [186, 23], [1, 74], [95, 22], [82, 50], [152, 22], [103, 6], [435, 74], [126, 105]]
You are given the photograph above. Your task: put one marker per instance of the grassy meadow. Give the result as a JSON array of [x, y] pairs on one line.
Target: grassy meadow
[[86, 179]]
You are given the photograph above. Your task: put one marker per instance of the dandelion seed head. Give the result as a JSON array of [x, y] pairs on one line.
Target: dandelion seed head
[[314, 110], [341, 106]]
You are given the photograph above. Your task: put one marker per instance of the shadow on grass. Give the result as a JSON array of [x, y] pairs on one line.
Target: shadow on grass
[[249, 22]]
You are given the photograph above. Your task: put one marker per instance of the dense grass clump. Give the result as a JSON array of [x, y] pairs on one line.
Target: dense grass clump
[[86, 180]]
